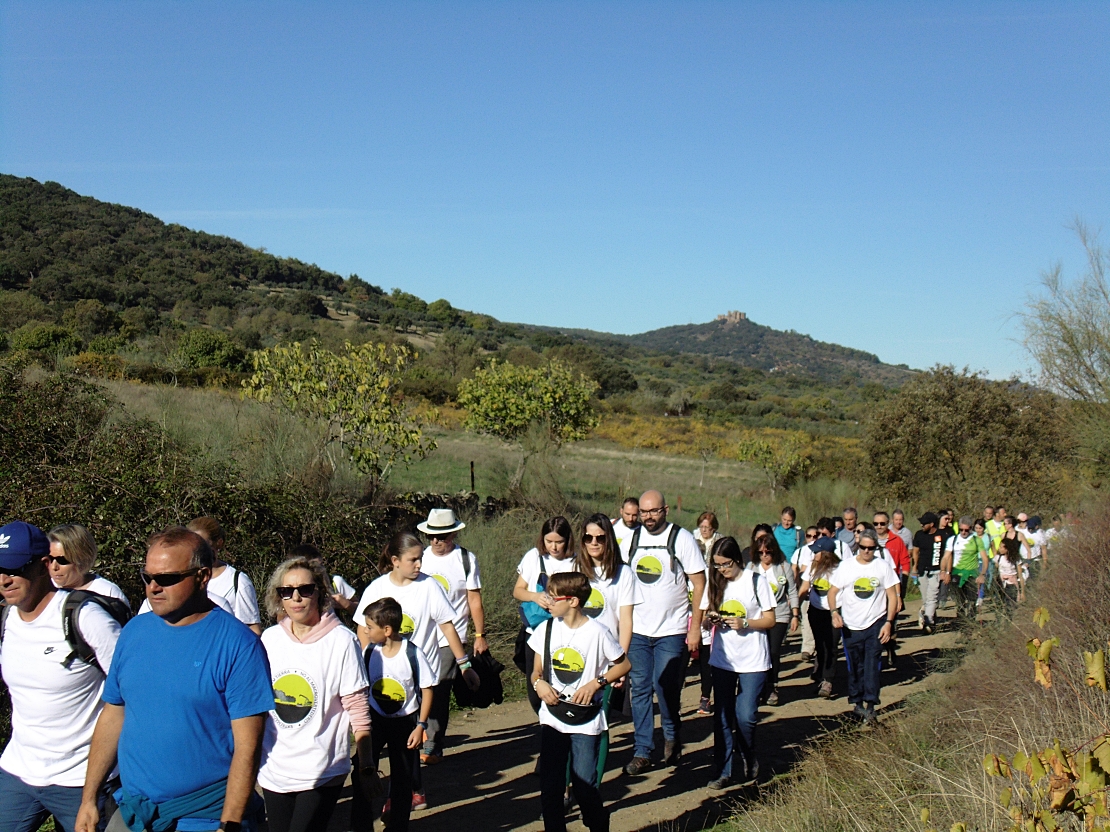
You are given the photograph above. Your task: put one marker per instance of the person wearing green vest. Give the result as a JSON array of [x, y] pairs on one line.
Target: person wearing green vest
[[968, 560]]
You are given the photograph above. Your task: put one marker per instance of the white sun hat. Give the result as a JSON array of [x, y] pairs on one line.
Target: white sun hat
[[441, 521]]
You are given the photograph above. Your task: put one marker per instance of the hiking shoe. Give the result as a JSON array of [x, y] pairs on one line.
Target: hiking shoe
[[430, 759], [824, 690], [672, 750], [868, 713], [773, 699], [638, 765], [753, 771], [704, 707], [419, 802], [859, 712], [719, 784]]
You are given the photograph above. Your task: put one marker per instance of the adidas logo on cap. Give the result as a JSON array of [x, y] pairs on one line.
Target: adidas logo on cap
[[4, 538]]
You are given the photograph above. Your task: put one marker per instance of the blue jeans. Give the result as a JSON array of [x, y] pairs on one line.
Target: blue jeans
[[555, 747], [864, 654], [23, 808], [734, 718], [658, 667]]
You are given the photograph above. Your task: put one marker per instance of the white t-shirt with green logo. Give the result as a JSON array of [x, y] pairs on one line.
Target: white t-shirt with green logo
[[607, 598], [666, 605], [862, 596], [424, 606], [392, 688], [577, 656], [747, 650], [818, 586], [448, 572], [306, 741]]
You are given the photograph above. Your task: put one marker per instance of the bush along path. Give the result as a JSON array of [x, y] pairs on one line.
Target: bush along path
[[485, 781]]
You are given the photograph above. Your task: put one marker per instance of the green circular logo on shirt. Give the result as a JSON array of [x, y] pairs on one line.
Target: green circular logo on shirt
[[733, 609], [294, 698], [595, 606], [407, 627], [389, 694], [568, 665], [442, 581], [821, 587], [649, 569], [865, 587]]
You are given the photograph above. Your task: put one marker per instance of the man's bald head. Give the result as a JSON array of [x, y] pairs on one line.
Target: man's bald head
[[653, 498], [653, 511]]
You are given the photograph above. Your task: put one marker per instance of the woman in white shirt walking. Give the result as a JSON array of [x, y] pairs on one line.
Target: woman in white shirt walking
[[72, 557]]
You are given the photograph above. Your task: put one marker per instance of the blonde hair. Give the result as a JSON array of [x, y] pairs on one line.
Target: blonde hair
[[209, 528], [78, 544], [319, 577]]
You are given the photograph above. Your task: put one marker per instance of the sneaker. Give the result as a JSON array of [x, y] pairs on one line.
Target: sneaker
[[773, 699], [868, 713], [824, 690], [859, 712], [808, 656], [638, 765], [753, 771], [672, 750], [719, 784], [704, 706], [419, 802], [430, 759]]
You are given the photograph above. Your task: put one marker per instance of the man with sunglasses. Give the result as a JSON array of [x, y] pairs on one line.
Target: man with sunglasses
[[55, 699], [185, 704]]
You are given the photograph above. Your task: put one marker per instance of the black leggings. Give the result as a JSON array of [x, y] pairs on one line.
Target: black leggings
[[704, 652], [775, 637], [307, 811], [826, 640]]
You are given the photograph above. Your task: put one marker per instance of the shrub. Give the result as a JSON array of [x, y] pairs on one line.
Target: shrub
[[45, 338], [98, 365], [206, 348]]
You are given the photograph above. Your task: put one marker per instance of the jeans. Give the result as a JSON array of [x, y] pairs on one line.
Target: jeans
[[734, 719], [930, 594], [307, 811], [582, 749], [775, 637], [658, 667], [825, 641], [441, 702], [23, 808], [864, 653], [992, 570]]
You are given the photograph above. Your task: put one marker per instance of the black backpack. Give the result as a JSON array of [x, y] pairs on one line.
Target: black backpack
[[74, 601], [676, 566]]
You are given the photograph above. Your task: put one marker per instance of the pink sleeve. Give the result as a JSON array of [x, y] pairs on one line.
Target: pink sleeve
[[357, 707]]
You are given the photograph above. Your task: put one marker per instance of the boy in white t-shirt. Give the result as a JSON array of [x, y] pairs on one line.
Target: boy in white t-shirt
[[576, 659], [401, 682]]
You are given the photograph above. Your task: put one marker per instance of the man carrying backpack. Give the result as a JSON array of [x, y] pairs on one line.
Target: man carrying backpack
[[664, 627], [53, 656]]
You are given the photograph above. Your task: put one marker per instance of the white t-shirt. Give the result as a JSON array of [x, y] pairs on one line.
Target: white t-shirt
[[529, 569], [743, 651], [577, 656], [214, 597], [341, 588], [802, 558], [607, 598], [424, 606], [862, 595], [448, 572], [54, 710], [621, 531], [666, 605], [307, 739], [392, 688], [818, 588], [244, 602], [102, 586]]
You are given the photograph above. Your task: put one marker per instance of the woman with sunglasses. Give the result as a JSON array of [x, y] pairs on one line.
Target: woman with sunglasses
[[320, 697], [71, 559], [815, 587], [768, 561], [740, 606]]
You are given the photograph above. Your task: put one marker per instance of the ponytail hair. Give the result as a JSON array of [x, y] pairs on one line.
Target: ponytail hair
[[397, 546]]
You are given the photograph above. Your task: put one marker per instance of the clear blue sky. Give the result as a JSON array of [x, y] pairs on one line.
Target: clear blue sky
[[889, 176]]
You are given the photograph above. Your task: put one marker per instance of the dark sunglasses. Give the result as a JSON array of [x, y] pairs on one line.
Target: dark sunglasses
[[880, 523], [438, 536], [164, 579], [61, 561], [306, 591], [811, 537], [593, 538], [21, 572], [868, 548]]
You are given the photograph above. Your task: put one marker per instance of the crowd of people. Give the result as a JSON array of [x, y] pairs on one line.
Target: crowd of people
[[176, 718]]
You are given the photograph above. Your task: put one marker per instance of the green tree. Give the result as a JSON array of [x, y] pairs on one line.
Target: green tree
[[354, 395], [783, 459], [90, 318], [510, 401], [206, 348], [955, 437], [45, 338]]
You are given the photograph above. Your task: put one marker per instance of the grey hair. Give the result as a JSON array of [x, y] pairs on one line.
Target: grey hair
[[77, 543], [966, 520], [319, 577], [870, 535]]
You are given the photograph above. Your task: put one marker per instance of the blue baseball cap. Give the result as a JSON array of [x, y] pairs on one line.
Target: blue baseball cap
[[21, 543], [823, 544]]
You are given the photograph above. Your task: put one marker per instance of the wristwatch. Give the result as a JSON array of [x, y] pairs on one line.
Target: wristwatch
[[602, 681], [230, 826]]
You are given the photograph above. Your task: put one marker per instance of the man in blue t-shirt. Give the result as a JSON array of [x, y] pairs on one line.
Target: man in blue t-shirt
[[185, 704]]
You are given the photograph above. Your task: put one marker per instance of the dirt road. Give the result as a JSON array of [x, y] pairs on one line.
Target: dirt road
[[485, 782]]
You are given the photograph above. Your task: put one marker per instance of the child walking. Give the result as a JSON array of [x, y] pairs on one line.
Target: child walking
[[576, 659], [400, 700]]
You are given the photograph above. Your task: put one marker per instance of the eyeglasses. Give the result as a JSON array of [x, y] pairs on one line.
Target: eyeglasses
[[164, 579], [653, 512], [61, 561], [723, 566], [810, 536], [439, 537], [964, 529], [881, 523], [593, 538], [868, 548], [305, 590], [561, 597], [21, 572]]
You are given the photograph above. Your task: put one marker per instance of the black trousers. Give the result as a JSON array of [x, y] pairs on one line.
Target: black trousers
[[826, 640], [307, 811], [775, 637], [404, 770], [706, 670]]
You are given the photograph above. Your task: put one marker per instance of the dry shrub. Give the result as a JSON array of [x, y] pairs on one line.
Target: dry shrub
[[930, 754]]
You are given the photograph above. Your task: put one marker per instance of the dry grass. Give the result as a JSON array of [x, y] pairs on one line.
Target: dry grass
[[930, 755]]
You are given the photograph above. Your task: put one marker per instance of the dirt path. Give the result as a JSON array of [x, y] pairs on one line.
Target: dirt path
[[485, 782]]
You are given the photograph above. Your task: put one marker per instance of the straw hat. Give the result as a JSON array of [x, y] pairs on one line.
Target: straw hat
[[441, 521]]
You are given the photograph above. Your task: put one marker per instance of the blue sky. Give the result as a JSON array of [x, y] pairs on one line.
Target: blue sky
[[889, 176]]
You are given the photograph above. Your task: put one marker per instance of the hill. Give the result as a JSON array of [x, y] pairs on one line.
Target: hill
[[77, 274]]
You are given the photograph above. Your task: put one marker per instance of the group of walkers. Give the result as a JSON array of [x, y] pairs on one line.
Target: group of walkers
[[168, 719]]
